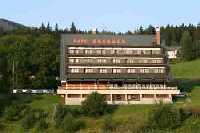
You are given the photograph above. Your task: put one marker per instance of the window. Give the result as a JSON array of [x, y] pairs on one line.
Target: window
[[75, 70], [129, 51], [71, 60], [89, 70], [103, 52], [89, 60], [71, 51], [145, 61], [131, 61], [77, 51], [103, 71], [147, 52], [88, 51], [142, 60], [144, 70], [155, 51], [101, 60], [138, 52], [159, 70], [98, 51], [116, 60], [131, 71], [116, 70], [76, 60]]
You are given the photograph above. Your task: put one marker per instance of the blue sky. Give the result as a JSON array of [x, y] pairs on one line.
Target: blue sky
[[115, 15]]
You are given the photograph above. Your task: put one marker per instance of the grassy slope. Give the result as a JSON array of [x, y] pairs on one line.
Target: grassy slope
[[186, 70], [45, 102]]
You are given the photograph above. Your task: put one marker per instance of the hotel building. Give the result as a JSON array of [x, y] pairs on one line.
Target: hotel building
[[125, 69]]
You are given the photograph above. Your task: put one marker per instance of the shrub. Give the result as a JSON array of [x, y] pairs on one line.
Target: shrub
[[34, 116], [58, 114], [13, 112], [70, 124], [29, 120], [109, 125], [165, 117], [94, 105], [10, 112], [41, 125]]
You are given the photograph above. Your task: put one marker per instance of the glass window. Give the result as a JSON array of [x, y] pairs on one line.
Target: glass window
[[103, 70], [76, 60], [88, 51], [159, 70], [89, 70], [71, 51], [98, 51], [144, 70], [71, 60], [116, 70], [131, 70], [129, 51], [101, 60], [75, 70], [77, 51], [116, 60]]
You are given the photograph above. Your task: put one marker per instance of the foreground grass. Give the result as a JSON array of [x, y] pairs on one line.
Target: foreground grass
[[137, 113], [186, 70]]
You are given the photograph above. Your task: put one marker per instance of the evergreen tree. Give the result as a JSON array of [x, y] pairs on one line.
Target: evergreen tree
[[187, 46], [56, 27], [141, 30], [73, 28], [150, 30], [49, 27], [42, 27]]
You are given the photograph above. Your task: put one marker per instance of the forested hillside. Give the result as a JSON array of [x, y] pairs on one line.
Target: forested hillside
[[29, 57]]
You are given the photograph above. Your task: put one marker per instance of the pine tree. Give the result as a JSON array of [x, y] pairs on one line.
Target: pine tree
[[73, 28], [49, 27], [141, 30], [56, 27], [187, 46], [42, 27]]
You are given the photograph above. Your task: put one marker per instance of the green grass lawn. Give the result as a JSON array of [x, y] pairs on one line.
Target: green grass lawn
[[195, 97], [186, 70]]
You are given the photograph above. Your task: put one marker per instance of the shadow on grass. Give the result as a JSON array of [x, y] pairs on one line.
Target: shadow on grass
[[186, 85]]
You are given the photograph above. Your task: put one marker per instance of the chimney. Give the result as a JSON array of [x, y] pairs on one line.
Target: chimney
[[158, 35], [94, 31]]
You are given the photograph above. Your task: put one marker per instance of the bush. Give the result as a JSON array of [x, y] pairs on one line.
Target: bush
[[94, 105], [165, 117], [58, 114], [109, 125], [41, 125], [34, 116], [29, 120], [13, 112], [71, 125], [60, 111]]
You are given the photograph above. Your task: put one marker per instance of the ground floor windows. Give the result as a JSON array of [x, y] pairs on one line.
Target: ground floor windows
[[147, 95], [118, 97], [133, 97], [74, 95], [124, 97], [162, 95]]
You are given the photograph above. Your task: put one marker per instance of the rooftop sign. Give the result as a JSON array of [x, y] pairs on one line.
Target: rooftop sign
[[99, 41]]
